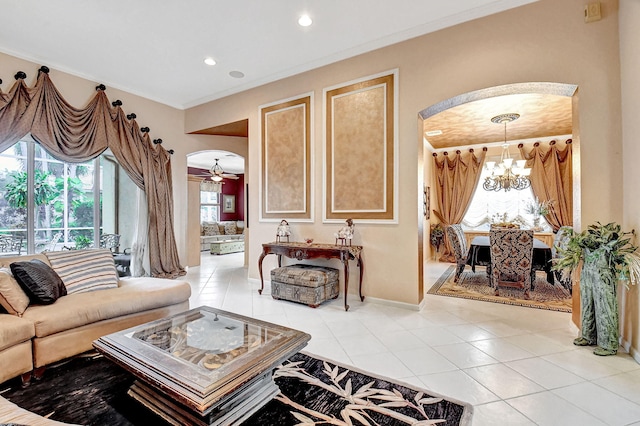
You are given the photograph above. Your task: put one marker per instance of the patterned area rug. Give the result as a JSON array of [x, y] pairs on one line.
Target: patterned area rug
[[92, 390], [475, 285]]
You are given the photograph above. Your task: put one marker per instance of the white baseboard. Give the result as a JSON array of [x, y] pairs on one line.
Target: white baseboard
[[394, 304], [632, 351]]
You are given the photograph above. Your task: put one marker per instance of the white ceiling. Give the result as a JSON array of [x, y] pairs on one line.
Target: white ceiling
[[156, 49], [230, 162]]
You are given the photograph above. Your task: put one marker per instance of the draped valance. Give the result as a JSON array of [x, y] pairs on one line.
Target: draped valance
[[78, 135], [552, 180]]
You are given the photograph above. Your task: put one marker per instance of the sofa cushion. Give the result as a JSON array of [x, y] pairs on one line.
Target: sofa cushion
[[85, 270], [134, 295], [39, 281], [14, 330], [211, 229], [230, 228], [12, 298]]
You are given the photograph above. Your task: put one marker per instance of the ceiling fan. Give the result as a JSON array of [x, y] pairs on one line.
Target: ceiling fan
[[216, 173]]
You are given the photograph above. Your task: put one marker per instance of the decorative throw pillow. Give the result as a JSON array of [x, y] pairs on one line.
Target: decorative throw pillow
[[230, 228], [39, 281], [84, 270], [212, 229], [12, 298]]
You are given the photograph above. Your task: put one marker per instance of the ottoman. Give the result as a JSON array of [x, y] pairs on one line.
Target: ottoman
[[308, 284], [227, 246]]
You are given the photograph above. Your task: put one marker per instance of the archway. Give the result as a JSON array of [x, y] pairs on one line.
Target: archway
[[483, 98], [216, 195]]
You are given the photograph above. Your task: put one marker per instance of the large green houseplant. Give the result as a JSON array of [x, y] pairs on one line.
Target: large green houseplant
[[606, 256]]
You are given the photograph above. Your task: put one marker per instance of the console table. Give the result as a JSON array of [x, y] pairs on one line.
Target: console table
[[304, 251]]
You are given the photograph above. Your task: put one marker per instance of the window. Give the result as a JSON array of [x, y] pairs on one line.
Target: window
[[209, 206], [47, 202], [498, 206]]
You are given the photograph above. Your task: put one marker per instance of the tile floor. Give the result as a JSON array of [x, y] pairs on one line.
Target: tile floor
[[516, 366]]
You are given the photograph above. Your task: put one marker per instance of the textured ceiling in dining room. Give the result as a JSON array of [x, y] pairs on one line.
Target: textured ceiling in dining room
[[541, 115]]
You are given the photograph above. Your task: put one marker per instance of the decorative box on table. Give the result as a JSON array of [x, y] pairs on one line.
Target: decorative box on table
[[308, 284]]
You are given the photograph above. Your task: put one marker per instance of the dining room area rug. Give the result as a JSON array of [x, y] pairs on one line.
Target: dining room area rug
[[475, 286], [91, 390]]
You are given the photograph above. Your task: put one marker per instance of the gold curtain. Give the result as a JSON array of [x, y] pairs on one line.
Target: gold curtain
[[456, 181], [77, 135], [552, 180]]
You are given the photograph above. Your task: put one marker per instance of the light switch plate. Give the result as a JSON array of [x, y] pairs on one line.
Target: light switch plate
[[592, 12]]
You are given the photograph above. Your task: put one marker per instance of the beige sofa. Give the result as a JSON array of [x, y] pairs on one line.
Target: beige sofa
[[220, 231], [45, 334]]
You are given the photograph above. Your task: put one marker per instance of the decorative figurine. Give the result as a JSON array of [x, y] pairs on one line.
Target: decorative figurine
[[345, 234], [283, 231]]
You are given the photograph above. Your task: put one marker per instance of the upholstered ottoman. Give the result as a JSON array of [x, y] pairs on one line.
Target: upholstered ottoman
[[227, 246], [308, 284]]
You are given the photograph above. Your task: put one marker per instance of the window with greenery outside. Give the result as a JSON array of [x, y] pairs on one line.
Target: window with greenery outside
[[63, 197]]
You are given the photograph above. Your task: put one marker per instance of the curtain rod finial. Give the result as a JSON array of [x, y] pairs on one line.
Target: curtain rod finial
[[101, 87], [20, 75], [131, 116], [44, 69], [116, 103], [144, 129]]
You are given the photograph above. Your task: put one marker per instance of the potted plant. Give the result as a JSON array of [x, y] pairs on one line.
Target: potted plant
[[437, 235], [606, 256]]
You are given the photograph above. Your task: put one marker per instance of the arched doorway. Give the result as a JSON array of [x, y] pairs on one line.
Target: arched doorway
[[460, 122], [216, 195]]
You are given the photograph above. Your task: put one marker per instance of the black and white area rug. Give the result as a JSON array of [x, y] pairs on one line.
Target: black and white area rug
[[91, 390]]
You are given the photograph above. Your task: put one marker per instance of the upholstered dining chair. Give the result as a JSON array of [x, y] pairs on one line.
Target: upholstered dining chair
[[460, 249], [560, 241], [511, 258]]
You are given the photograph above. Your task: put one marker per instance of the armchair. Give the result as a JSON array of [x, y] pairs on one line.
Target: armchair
[[460, 248], [110, 241], [511, 259]]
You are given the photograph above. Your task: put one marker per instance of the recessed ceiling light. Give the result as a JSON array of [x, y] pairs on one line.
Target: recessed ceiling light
[[304, 21], [434, 133], [236, 74], [209, 61]]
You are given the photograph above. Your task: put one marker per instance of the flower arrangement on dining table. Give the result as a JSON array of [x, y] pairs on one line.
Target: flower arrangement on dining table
[[538, 209]]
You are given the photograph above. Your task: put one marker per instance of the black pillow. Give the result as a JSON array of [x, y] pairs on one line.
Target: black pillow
[[39, 281]]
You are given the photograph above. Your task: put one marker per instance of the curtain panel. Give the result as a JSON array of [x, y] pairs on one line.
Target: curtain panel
[[552, 180], [456, 181], [77, 135]]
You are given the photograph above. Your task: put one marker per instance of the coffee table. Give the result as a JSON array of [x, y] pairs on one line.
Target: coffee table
[[204, 366]]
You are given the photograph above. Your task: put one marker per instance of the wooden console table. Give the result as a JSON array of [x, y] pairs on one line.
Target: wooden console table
[[304, 251]]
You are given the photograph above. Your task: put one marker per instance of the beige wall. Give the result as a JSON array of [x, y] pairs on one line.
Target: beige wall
[[544, 41], [630, 65]]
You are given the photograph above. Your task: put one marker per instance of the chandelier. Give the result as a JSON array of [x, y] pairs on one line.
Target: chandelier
[[506, 175]]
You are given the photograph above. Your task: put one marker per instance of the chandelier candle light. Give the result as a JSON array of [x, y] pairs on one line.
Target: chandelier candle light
[[506, 175]]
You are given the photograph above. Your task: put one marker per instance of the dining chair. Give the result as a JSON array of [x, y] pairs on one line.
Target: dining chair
[[460, 249], [560, 241], [511, 259]]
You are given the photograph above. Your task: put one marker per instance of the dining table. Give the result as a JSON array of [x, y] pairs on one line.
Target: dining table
[[480, 254]]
